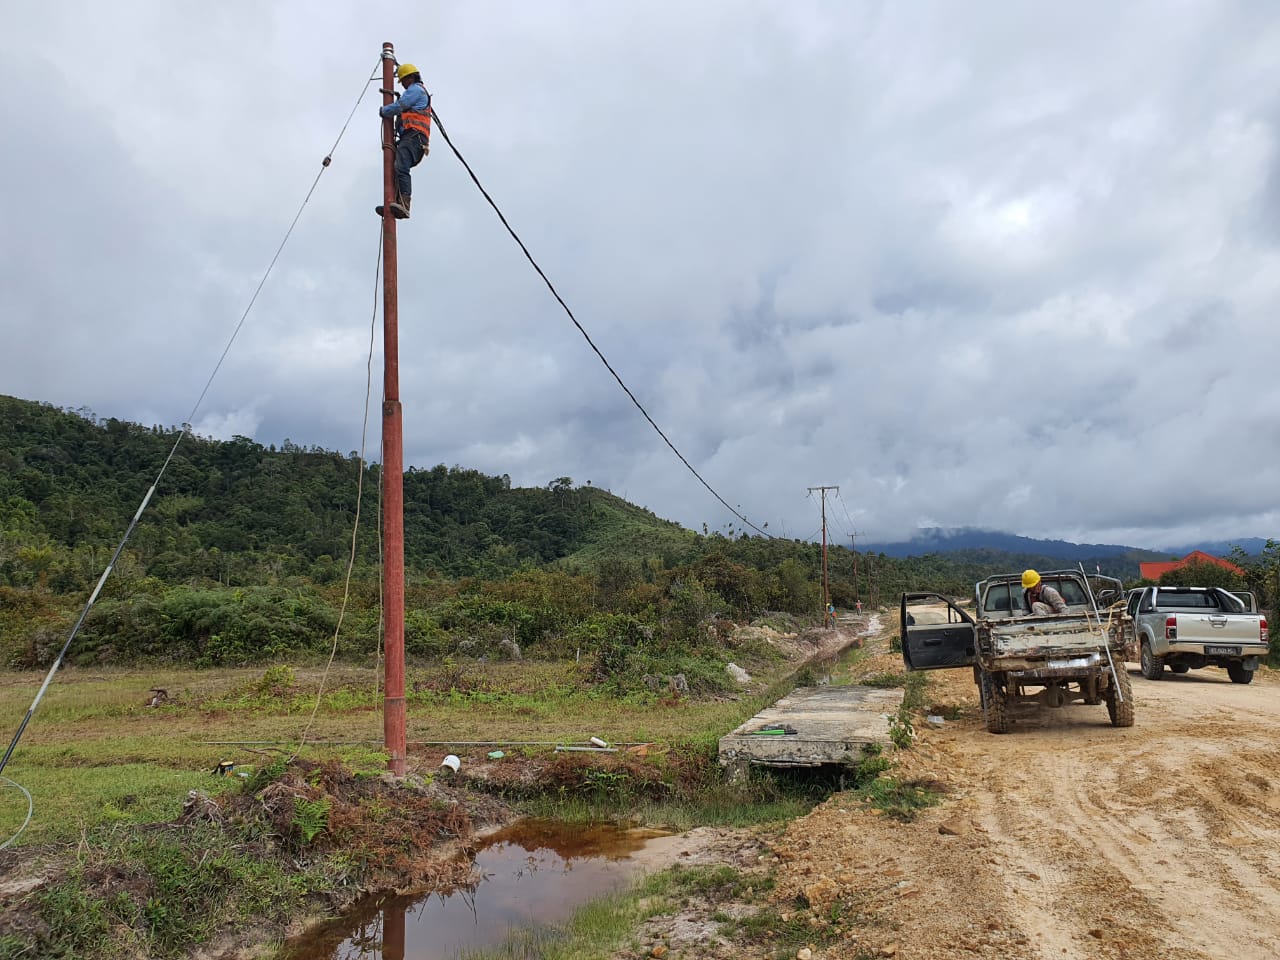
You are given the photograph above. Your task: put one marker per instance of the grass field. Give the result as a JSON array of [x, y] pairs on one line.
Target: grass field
[[108, 774], [95, 753]]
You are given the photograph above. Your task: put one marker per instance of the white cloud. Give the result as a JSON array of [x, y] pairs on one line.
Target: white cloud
[[977, 265]]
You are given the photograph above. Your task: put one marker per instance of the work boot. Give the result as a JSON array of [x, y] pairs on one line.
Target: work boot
[[399, 208]]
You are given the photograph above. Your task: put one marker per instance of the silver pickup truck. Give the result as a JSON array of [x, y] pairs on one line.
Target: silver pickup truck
[[1192, 627], [1021, 661]]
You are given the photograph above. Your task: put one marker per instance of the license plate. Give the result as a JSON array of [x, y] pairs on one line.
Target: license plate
[[1069, 664], [1221, 651]]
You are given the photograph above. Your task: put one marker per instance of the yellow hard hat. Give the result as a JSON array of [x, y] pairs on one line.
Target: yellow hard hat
[[405, 70], [1029, 579]]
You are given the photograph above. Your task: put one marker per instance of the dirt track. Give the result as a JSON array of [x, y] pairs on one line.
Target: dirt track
[[1075, 840]]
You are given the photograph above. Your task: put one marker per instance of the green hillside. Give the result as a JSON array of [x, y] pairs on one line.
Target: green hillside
[[242, 555], [243, 552]]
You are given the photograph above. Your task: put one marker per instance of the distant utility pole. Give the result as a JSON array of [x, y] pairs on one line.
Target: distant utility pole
[[826, 593], [871, 581], [853, 548]]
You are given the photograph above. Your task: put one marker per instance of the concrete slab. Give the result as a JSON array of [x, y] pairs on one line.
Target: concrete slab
[[831, 725]]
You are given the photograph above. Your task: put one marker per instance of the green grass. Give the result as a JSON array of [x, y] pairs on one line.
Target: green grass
[[885, 681], [721, 806], [99, 763], [897, 799], [620, 529], [95, 753], [161, 901], [70, 800], [914, 690]]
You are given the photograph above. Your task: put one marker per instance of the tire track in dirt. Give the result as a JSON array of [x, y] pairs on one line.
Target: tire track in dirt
[[1160, 841], [1066, 839]]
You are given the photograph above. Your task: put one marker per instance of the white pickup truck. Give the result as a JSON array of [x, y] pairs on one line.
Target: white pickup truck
[[1191, 627]]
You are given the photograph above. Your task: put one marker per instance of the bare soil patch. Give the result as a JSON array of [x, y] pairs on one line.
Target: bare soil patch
[[1066, 838]]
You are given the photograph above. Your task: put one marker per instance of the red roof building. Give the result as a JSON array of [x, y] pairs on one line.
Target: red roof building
[[1155, 569]]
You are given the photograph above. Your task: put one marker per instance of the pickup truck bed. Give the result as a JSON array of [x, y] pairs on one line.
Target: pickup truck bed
[[1187, 628]]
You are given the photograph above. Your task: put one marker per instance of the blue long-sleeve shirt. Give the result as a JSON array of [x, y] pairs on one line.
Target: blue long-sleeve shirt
[[415, 99]]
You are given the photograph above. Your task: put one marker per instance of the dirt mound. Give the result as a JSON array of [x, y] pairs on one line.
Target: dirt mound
[[397, 826], [786, 643], [808, 644], [627, 775]]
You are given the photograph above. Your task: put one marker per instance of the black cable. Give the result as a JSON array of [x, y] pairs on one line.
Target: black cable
[[835, 517], [550, 286], [852, 526], [835, 520]]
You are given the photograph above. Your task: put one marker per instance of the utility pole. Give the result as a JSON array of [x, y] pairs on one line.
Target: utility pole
[[826, 593], [871, 581], [393, 711], [853, 548]]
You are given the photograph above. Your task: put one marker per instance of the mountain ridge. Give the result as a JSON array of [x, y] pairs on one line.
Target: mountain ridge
[[964, 539]]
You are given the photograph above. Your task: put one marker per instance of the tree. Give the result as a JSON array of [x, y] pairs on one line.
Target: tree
[[1202, 574]]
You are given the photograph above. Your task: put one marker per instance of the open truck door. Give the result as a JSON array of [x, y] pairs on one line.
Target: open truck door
[[935, 633]]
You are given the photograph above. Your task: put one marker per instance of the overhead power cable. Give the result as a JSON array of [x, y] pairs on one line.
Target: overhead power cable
[[186, 428], [835, 520], [848, 515], [591, 343]]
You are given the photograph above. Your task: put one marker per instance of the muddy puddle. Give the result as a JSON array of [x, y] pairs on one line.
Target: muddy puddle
[[531, 874]]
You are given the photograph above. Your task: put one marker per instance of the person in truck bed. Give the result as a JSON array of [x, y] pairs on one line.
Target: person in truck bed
[[1041, 599]]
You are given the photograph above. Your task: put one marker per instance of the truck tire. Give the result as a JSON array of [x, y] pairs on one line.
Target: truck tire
[[1179, 667], [1120, 699], [1239, 674], [995, 704], [1152, 666]]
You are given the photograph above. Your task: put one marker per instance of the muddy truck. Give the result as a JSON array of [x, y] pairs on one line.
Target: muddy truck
[[1022, 663]]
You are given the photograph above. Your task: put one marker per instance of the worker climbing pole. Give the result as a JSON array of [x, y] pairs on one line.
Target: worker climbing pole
[[411, 112], [393, 708]]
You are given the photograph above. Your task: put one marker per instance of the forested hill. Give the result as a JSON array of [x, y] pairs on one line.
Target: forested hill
[[240, 513], [241, 558], [226, 510]]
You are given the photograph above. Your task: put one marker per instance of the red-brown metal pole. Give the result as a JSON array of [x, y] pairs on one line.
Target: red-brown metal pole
[[826, 592], [393, 713], [393, 928], [853, 549]]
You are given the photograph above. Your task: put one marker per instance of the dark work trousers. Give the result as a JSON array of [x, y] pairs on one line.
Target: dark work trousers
[[410, 148]]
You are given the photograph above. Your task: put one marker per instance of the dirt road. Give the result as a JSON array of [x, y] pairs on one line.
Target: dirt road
[[1065, 838]]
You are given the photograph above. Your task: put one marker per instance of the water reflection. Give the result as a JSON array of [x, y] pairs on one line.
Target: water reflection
[[533, 873]]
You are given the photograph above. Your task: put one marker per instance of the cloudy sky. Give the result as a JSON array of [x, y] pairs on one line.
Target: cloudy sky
[[1013, 265]]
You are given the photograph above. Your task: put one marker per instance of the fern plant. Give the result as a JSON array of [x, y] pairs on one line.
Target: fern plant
[[310, 817]]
